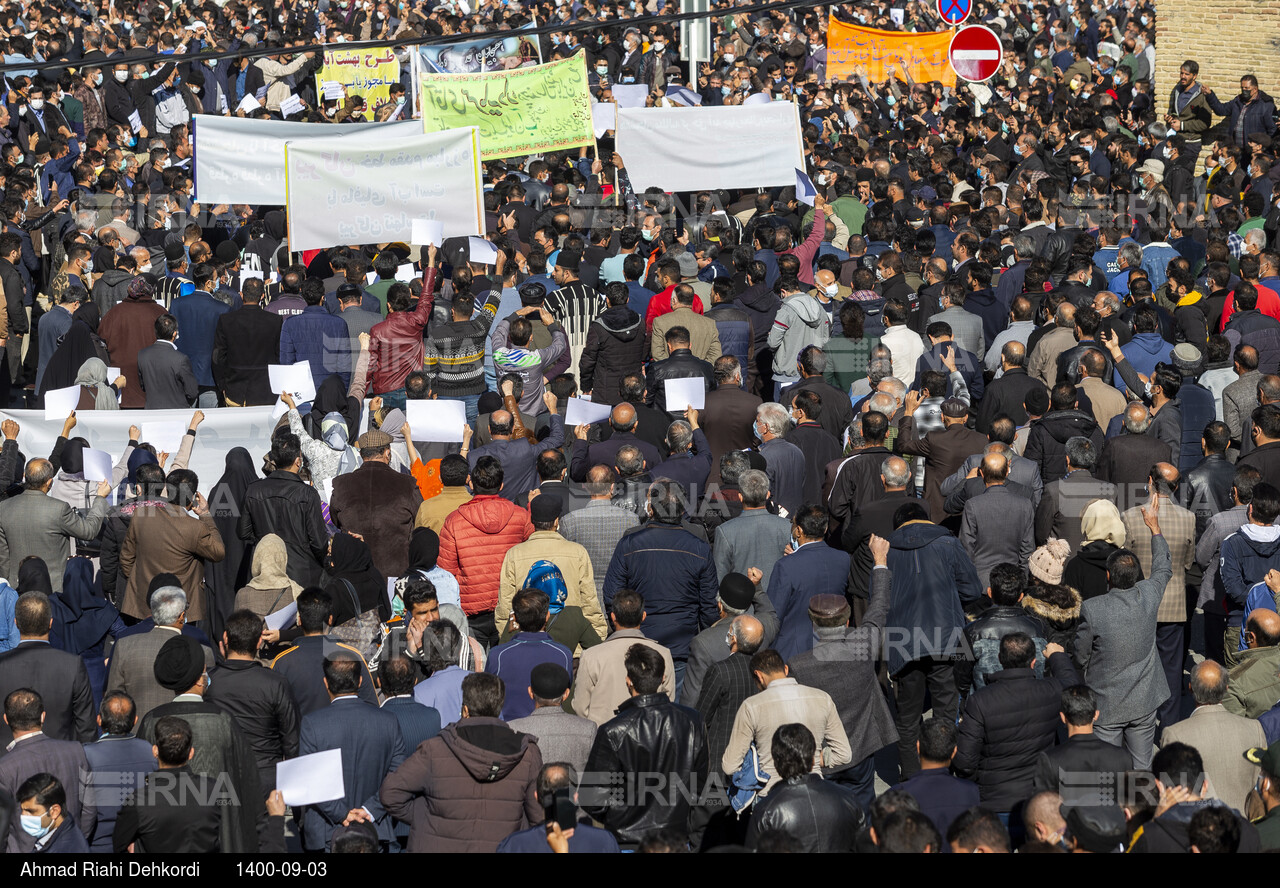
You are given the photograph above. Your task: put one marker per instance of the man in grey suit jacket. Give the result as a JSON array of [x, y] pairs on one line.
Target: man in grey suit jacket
[[1065, 499], [561, 736], [1221, 737], [34, 752], [966, 327], [132, 667], [997, 523], [34, 523], [164, 373], [1116, 646], [738, 595]]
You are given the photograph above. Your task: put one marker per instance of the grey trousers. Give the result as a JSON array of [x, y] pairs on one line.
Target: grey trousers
[[1139, 738]]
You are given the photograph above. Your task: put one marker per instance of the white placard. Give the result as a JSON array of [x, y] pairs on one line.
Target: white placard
[[294, 379], [682, 393], [166, 437], [481, 251], [135, 121], [250, 274], [630, 95], [695, 149], [97, 465], [332, 91], [370, 277], [283, 618], [311, 779], [427, 232], [439, 421], [60, 402], [369, 190], [113, 373], [241, 159], [583, 412], [406, 273], [604, 117], [291, 105], [248, 105]]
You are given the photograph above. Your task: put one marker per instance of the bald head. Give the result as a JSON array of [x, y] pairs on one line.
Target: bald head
[[1269, 389], [1165, 477], [995, 468], [748, 634], [1263, 628], [1137, 419], [623, 417], [825, 278], [39, 474], [1014, 354], [895, 473], [500, 423], [1208, 683]]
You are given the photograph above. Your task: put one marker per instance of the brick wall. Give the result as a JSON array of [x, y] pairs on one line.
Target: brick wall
[[1227, 37]]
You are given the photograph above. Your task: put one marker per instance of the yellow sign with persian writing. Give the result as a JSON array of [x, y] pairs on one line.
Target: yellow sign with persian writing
[[523, 111], [368, 73], [923, 56]]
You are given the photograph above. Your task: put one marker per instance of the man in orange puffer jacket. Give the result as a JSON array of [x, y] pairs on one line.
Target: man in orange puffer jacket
[[475, 539]]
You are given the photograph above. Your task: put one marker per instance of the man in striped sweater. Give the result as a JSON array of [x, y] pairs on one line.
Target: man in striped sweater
[[454, 359]]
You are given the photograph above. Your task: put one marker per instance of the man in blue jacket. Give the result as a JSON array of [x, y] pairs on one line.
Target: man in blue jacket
[[933, 579], [197, 315], [531, 646], [673, 570], [811, 568], [1248, 556], [317, 337]]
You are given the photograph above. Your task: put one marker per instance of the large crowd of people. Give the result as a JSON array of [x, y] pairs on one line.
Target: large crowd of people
[[932, 513]]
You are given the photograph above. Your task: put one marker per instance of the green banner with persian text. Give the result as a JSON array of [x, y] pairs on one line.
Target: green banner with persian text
[[522, 111]]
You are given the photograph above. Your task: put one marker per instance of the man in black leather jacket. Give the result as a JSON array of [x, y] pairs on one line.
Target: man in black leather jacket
[[821, 816], [1004, 616], [648, 762], [1208, 488]]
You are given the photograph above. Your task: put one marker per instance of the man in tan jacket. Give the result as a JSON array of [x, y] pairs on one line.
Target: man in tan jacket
[[546, 544], [704, 336], [600, 683], [453, 477], [168, 540]]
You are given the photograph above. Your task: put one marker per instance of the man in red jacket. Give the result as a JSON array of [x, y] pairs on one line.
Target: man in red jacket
[[474, 540], [396, 348]]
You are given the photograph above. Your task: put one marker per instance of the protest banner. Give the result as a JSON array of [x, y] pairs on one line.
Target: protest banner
[[489, 53], [221, 430], [693, 149], [525, 111], [240, 160], [356, 191], [923, 56], [364, 72]]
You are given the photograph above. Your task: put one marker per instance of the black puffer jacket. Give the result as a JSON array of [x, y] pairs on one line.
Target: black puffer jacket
[[1004, 728], [650, 734], [1047, 443], [983, 637], [615, 347], [824, 817]]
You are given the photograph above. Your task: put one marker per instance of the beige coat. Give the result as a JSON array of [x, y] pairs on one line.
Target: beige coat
[[1107, 402], [600, 685], [783, 702], [433, 511], [704, 336], [1221, 739], [574, 563]]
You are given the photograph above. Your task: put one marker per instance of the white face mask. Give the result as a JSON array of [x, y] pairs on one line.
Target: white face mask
[[831, 289], [121, 76], [145, 269]]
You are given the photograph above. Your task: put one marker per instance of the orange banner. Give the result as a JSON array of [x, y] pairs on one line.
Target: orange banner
[[923, 56]]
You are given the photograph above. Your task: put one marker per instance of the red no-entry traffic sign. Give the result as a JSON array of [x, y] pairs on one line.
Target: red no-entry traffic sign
[[975, 53]]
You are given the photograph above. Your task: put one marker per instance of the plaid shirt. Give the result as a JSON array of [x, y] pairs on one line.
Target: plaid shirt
[[1178, 526], [597, 527], [1235, 243]]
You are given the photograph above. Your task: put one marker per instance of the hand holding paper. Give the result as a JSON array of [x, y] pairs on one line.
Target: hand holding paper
[[684, 393], [440, 421], [311, 779], [582, 412]]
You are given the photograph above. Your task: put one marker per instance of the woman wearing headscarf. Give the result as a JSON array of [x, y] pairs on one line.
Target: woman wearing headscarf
[[82, 621], [226, 503], [70, 485], [328, 455], [75, 347], [566, 624], [95, 392], [1104, 534], [270, 588], [424, 550], [358, 591]]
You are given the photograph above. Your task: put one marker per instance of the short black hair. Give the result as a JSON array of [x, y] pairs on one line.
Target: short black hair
[[908, 832], [978, 826], [793, 748], [244, 631], [173, 740], [343, 671], [645, 668], [487, 475], [483, 695], [1079, 705], [315, 607], [1179, 764], [45, 789], [937, 739]]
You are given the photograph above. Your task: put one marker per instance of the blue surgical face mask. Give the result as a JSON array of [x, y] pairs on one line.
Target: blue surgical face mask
[[31, 825], [1004, 129], [725, 90], [890, 100]]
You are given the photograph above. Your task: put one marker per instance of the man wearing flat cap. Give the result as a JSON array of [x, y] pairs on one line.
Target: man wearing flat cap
[[842, 662], [221, 750], [378, 503]]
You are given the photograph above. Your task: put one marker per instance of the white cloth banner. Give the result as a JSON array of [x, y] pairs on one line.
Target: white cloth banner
[[223, 428], [697, 149], [241, 160], [360, 191]]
